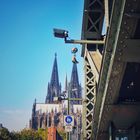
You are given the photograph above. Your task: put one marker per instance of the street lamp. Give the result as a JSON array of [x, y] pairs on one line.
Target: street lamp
[[60, 33]]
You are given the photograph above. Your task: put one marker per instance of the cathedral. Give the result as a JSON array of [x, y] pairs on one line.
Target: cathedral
[[51, 112]]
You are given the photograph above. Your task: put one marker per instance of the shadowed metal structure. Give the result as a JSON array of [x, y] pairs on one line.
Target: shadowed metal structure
[[112, 70], [93, 16]]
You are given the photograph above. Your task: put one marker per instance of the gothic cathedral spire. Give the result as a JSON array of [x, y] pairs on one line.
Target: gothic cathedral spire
[[54, 87], [75, 87], [54, 76], [74, 76]]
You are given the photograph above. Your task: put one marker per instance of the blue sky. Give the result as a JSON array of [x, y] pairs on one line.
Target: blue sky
[[27, 48]]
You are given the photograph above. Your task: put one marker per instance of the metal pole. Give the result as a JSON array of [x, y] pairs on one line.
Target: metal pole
[[77, 128], [68, 106], [68, 133], [68, 112]]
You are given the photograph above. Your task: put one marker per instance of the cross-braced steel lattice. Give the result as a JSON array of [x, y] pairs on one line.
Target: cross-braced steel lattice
[[90, 91]]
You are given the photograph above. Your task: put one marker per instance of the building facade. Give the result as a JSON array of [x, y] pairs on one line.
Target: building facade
[[51, 112]]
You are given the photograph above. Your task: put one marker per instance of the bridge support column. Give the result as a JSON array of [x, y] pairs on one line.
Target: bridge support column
[[88, 103]]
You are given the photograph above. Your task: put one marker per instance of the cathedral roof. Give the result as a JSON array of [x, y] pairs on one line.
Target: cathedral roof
[[46, 108]]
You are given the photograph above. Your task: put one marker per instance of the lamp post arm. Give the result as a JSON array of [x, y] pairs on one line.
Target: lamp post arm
[[75, 99], [84, 41]]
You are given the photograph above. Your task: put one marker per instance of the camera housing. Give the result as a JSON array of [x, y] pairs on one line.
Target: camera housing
[[60, 33]]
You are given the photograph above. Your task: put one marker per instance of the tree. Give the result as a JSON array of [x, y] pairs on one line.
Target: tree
[[5, 134], [15, 135], [29, 134], [43, 133], [25, 134]]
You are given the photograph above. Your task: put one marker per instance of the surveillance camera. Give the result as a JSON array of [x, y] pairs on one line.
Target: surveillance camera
[[60, 33]]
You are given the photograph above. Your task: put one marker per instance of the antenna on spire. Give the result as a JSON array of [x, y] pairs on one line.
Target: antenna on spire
[[55, 54], [35, 101]]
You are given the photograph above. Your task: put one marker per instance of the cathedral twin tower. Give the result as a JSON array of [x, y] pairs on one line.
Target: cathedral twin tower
[[54, 87], [51, 113]]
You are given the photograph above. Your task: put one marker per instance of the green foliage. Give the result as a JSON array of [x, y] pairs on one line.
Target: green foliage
[[62, 133], [5, 134], [15, 136], [43, 133], [25, 134], [29, 134]]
